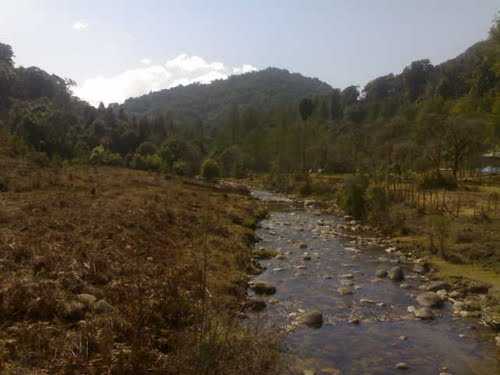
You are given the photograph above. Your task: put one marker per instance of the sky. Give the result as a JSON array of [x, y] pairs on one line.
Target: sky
[[117, 49]]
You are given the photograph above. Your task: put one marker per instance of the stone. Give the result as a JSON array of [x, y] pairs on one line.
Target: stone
[[443, 294], [429, 299], [396, 274], [381, 273], [313, 319], [491, 317], [303, 246], [421, 268], [367, 301], [103, 307], [344, 291], [437, 285], [347, 276], [424, 313], [402, 366], [263, 288], [354, 321], [348, 283], [404, 286], [87, 299], [74, 311], [255, 305], [497, 340]]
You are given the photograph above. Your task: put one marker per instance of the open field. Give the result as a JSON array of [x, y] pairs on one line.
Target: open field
[[116, 271]]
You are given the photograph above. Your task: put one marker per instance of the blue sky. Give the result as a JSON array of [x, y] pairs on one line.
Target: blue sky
[[115, 49]]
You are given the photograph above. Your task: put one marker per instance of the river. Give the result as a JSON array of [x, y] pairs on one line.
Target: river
[[371, 330]]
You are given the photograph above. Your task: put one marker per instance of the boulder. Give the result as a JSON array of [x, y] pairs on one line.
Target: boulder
[[437, 285], [429, 299], [73, 311], [103, 307], [381, 273], [396, 274], [313, 319], [263, 288], [87, 299], [402, 366], [423, 313]]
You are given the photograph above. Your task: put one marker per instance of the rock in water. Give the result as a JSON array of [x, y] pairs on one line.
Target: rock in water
[[263, 288], [344, 291], [381, 273], [396, 274], [438, 285], [402, 366], [423, 313], [429, 299], [313, 319], [255, 305]]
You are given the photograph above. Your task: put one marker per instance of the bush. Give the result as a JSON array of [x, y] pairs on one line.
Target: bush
[[352, 198], [181, 168], [101, 156], [377, 203], [210, 170], [146, 148], [437, 181], [146, 162]]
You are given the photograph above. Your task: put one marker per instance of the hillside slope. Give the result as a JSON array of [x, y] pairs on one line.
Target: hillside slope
[[263, 89]]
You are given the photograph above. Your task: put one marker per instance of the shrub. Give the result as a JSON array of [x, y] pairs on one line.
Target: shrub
[[101, 156], [377, 203], [146, 162], [352, 198], [210, 170], [146, 148], [181, 168], [439, 233]]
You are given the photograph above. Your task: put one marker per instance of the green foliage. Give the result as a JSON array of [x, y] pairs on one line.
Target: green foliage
[[102, 156], [439, 234], [146, 162], [210, 170], [306, 108], [181, 168], [377, 203], [352, 198], [146, 149]]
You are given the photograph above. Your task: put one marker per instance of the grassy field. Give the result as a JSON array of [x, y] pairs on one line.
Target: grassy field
[[124, 272]]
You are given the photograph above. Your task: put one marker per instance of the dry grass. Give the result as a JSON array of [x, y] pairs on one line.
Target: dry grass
[[169, 260]]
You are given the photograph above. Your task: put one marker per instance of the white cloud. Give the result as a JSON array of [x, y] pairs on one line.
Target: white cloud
[[80, 25], [182, 70]]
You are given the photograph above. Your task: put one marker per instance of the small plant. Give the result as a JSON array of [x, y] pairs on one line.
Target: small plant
[[210, 170], [377, 203], [439, 233]]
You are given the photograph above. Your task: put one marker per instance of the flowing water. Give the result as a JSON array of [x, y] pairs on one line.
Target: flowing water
[[387, 333]]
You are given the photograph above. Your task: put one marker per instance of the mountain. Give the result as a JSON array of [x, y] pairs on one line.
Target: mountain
[[263, 90]]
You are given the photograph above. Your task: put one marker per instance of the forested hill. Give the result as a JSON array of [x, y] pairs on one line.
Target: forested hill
[[263, 89]]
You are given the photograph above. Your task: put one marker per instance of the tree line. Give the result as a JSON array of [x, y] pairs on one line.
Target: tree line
[[422, 120]]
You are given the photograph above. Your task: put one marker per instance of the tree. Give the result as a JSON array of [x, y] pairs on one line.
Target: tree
[[336, 105], [465, 138], [306, 108]]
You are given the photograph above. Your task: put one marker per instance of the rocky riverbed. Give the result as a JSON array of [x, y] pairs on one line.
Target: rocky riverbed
[[352, 303]]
